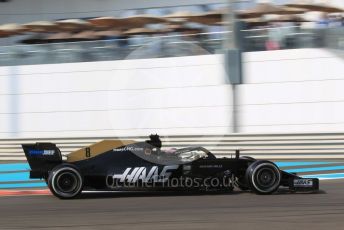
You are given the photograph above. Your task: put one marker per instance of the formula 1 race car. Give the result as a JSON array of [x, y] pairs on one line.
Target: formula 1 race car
[[129, 165]]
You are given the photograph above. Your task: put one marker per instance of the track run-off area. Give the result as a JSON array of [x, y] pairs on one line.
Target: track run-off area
[[27, 204], [175, 210]]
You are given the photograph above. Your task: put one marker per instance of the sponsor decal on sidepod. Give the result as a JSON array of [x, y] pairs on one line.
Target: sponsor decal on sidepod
[[132, 175]]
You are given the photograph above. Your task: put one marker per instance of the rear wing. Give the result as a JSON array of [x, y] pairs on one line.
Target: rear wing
[[42, 157]]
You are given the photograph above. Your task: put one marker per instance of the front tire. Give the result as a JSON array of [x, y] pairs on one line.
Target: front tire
[[263, 177], [65, 181], [241, 182]]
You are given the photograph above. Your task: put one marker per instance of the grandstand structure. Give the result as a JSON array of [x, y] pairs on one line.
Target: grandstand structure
[[58, 91]]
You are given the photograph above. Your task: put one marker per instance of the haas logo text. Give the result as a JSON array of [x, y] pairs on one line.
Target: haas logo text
[[145, 175]]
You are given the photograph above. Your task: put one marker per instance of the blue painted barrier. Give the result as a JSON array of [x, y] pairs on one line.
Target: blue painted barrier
[[14, 167], [302, 163], [327, 176], [14, 176], [317, 169], [24, 185]]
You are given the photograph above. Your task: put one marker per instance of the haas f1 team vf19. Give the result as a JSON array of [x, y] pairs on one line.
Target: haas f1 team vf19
[[130, 165]]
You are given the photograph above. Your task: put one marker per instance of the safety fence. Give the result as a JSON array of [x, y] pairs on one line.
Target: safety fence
[[159, 46], [264, 146]]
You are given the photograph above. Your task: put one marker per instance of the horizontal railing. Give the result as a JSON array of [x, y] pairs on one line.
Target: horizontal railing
[[264, 146], [158, 46], [334, 38]]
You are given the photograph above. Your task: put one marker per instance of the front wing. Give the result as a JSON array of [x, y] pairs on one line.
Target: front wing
[[299, 184]]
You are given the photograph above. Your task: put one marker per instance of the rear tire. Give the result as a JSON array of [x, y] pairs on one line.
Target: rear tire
[[65, 181], [263, 177]]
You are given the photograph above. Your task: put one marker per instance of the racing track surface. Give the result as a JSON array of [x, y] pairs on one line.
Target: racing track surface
[[324, 210]]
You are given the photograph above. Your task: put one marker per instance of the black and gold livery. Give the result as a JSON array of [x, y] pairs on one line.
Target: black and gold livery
[[131, 165]]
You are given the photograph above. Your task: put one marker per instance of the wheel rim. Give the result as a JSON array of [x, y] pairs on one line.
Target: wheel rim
[[266, 178], [67, 182]]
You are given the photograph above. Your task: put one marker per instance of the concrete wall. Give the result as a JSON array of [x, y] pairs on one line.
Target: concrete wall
[[284, 91], [134, 97], [293, 91]]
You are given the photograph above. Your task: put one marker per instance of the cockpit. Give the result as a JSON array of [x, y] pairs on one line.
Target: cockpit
[[193, 153], [175, 156], [153, 152]]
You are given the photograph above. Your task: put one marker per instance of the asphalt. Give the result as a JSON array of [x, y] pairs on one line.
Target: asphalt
[[322, 210]]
